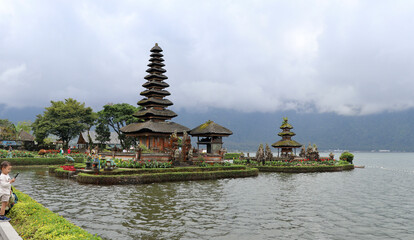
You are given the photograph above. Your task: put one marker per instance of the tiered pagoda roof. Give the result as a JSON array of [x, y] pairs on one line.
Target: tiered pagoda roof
[[210, 128], [286, 135], [154, 105]]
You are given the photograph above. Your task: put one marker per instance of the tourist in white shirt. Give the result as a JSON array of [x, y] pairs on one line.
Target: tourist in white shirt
[[5, 188]]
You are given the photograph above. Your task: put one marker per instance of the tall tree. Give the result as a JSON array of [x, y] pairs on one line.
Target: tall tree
[[40, 129], [117, 116], [25, 126], [103, 134], [65, 119], [7, 130]]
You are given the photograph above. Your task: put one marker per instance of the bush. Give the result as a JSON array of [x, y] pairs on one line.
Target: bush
[[14, 154], [32, 220], [230, 156], [347, 156], [164, 177], [39, 161]]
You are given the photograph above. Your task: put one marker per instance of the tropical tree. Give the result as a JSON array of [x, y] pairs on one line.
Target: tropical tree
[[7, 130], [103, 134], [117, 116], [24, 126], [65, 119]]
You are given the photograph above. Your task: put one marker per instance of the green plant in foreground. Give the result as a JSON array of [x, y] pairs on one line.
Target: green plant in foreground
[[33, 221]]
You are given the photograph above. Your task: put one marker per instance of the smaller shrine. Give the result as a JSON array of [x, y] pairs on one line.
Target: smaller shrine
[[286, 146], [211, 134]]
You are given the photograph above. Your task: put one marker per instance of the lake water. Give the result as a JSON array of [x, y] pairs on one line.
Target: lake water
[[372, 203]]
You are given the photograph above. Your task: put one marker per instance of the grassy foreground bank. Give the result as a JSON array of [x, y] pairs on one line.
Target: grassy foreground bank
[[32, 220]]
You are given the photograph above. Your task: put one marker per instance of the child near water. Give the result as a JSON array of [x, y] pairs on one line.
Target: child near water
[[5, 188]]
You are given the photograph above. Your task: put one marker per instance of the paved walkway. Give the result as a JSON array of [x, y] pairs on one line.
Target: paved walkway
[[7, 232]]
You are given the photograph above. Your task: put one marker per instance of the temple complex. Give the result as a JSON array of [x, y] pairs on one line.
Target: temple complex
[[155, 130], [211, 135], [286, 144]]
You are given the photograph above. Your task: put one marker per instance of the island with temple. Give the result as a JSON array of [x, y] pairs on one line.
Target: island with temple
[[165, 151]]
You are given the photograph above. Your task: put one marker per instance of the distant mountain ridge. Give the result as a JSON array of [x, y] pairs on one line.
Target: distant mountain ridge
[[391, 130]]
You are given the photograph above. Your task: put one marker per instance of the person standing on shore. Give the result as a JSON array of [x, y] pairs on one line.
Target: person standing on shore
[[5, 188]]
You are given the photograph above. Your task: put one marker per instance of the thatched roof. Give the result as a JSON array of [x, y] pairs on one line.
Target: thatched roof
[[155, 101], [156, 76], [156, 70], [286, 143], [155, 83], [154, 112], [150, 92], [286, 134], [156, 48], [154, 127], [83, 138], [210, 128], [285, 124], [155, 64], [26, 137]]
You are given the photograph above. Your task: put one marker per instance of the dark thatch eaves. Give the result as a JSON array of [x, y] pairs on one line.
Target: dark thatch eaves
[[155, 76], [155, 112], [210, 128], [150, 92], [286, 125], [26, 137], [149, 101], [286, 143], [154, 127], [286, 134], [156, 48], [155, 83]]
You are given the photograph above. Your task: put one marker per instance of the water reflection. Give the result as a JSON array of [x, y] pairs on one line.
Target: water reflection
[[370, 203]]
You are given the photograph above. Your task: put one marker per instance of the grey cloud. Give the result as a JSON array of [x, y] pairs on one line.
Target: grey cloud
[[347, 57]]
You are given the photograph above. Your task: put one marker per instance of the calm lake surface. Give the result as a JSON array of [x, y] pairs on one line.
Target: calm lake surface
[[372, 203]]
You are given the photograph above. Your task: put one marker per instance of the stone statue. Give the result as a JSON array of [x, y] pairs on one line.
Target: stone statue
[[260, 154], [268, 153], [302, 152], [190, 154]]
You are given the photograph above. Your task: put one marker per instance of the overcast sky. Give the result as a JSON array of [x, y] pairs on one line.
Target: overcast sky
[[348, 57]]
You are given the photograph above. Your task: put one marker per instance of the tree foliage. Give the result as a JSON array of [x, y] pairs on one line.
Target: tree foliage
[[24, 126], [347, 156], [117, 116], [7, 130], [103, 134], [65, 119]]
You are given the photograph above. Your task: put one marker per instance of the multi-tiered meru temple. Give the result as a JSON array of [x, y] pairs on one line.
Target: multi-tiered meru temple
[[155, 130]]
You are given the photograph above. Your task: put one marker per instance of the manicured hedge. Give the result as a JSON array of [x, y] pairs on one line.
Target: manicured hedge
[[33, 221], [127, 171], [164, 177], [232, 155], [305, 169], [38, 161]]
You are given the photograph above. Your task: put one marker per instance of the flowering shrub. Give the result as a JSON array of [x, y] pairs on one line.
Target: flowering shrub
[[141, 164], [301, 162], [68, 168], [15, 154]]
